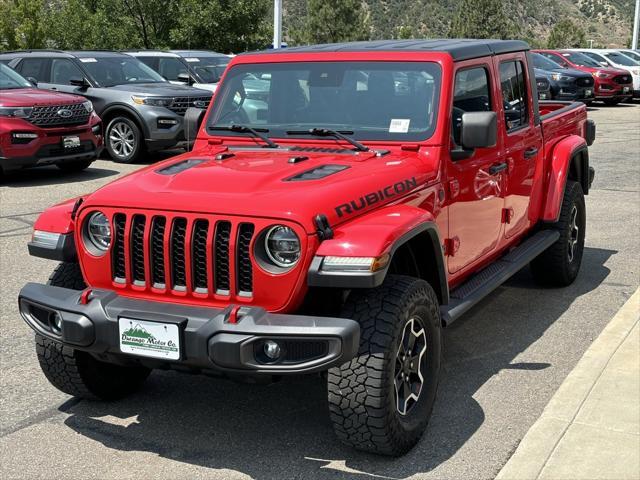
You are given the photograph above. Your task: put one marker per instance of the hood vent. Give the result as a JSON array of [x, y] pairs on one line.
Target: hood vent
[[342, 151], [317, 173], [179, 167]]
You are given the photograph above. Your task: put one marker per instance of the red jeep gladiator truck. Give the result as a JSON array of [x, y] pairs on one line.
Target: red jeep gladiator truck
[[341, 205]]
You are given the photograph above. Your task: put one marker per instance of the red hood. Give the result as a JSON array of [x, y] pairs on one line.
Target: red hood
[[30, 97], [254, 183]]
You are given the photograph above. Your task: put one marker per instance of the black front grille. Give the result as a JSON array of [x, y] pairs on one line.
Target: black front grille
[[59, 115], [585, 81], [183, 255], [180, 104], [622, 79]]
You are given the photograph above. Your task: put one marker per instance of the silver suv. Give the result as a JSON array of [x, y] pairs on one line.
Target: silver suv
[[140, 108]]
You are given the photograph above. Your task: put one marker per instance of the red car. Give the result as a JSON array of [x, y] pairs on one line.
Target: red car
[[612, 85], [342, 204], [40, 127]]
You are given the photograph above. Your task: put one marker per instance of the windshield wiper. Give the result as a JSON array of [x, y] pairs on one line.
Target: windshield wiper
[[326, 132], [256, 132]]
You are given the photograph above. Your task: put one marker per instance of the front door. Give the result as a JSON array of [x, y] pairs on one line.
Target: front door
[[475, 183]]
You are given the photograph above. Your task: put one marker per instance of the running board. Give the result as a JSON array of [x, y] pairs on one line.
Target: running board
[[487, 280]]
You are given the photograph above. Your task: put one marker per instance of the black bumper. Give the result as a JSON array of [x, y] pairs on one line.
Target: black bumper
[[210, 340], [10, 164]]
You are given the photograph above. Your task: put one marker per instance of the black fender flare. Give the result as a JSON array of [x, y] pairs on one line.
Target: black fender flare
[[127, 110]]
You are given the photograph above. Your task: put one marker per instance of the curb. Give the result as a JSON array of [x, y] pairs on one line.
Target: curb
[[542, 439]]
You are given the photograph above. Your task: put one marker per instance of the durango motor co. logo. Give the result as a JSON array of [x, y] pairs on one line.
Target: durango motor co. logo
[[138, 336]]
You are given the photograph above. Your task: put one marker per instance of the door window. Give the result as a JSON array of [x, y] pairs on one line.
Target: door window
[[63, 70], [170, 68], [514, 94], [33, 67], [471, 94]]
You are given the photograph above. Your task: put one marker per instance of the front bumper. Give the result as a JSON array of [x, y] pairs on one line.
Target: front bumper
[[224, 340], [50, 155]]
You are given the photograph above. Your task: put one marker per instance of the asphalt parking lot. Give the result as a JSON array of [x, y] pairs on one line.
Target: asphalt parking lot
[[503, 362]]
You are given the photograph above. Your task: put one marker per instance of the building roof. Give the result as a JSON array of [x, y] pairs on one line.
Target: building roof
[[459, 49]]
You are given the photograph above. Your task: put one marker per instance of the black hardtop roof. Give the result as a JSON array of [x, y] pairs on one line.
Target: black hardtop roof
[[459, 49]]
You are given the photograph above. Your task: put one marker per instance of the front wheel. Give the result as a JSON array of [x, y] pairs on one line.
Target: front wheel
[[123, 140], [382, 399]]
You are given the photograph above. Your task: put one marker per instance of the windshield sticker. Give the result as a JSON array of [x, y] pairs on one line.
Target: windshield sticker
[[192, 60], [399, 125], [88, 60]]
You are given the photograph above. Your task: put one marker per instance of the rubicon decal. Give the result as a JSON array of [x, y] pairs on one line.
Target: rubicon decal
[[372, 198]]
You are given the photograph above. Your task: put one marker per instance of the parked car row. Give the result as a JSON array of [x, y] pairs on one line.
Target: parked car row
[[610, 76], [137, 105]]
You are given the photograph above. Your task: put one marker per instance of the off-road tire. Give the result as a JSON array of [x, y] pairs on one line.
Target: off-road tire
[[362, 395], [74, 166], [78, 373], [553, 267], [126, 124]]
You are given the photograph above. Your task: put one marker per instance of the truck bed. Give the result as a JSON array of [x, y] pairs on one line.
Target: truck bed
[[562, 118]]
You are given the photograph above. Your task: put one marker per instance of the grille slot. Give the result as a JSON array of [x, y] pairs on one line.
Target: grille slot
[[157, 251], [585, 81], [48, 116], [178, 265], [244, 269], [117, 256], [137, 249], [221, 262], [199, 256], [622, 79]]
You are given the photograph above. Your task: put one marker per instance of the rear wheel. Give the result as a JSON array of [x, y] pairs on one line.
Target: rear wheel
[[382, 399], [78, 373], [123, 140]]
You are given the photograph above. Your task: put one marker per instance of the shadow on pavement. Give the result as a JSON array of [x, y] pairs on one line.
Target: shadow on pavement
[[282, 430], [35, 177]]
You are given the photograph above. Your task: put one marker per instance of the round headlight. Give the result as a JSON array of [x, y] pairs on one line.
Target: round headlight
[[282, 246], [99, 231]]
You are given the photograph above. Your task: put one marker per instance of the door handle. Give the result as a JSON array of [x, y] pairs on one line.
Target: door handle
[[497, 168], [531, 152]]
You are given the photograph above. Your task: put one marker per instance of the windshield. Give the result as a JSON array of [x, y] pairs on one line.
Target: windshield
[[621, 59], [632, 54], [208, 69], [581, 59], [110, 71], [370, 100], [10, 79], [544, 63]]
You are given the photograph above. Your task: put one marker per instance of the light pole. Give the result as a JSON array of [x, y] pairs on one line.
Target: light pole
[[277, 23], [636, 21]]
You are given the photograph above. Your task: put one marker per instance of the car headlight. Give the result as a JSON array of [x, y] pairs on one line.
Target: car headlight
[[88, 106], [282, 246], [601, 75], [97, 233], [152, 101], [16, 112], [558, 77]]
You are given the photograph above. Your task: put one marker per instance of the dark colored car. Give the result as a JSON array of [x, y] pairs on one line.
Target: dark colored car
[[565, 83], [544, 87], [140, 109], [40, 127]]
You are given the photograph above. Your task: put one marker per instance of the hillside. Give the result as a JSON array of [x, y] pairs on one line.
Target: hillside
[[606, 22]]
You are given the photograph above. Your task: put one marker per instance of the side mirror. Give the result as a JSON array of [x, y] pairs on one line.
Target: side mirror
[[32, 81], [193, 118], [477, 130], [186, 78], [80, 82]]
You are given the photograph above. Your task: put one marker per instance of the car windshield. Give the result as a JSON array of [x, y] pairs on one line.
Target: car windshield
[[208, 69], [621, 59], [367, 100], [632, 54], [581, 59], [110, 71], [10, 79], [544, 63]]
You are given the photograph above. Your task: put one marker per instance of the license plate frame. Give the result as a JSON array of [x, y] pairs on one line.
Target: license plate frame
[[152, 339], [71, 142]]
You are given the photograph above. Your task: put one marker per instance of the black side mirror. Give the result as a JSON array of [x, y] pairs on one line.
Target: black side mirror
[[186, 78], [32, 81], [79, 82], [193, 118], [477, 130]]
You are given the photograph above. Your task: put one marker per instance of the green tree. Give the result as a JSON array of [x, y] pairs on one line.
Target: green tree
[[566, 34], [23, 24], [222, 25], [481, 19], [333, 21]]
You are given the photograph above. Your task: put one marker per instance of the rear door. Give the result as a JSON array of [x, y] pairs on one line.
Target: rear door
[[522, 140]]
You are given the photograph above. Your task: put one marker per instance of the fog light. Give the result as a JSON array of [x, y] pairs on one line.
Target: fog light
[[56, 322], [272, 350], [167, 122]]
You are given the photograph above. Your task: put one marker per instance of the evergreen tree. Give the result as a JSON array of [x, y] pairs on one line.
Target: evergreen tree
[[481, 19], [331, 21], [566, 34]]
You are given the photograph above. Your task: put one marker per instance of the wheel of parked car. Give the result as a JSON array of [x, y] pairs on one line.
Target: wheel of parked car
[[78, 373], [124, 140], [382, 399], [74, 166], [560, 263]]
